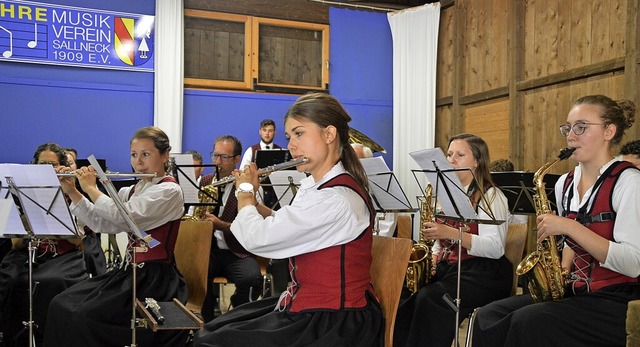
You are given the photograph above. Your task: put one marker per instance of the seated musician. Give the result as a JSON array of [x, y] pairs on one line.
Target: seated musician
[[630, 152], [486, 274], [598, 213], [326, 233], [228, 258], [98, 311], [58, 265], [94, 258]]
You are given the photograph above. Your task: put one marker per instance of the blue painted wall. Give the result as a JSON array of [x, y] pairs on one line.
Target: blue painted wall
[[97, 111]]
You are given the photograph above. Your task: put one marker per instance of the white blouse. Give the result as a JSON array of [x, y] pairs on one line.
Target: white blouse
[[150, 206], [491, 238], [315, 220]]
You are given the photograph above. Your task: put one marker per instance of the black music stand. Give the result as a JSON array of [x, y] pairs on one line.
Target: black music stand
[[183, 171], [285, 185], [266, 158], [455, 206], [35, 189], [385, 190], [519, 189]]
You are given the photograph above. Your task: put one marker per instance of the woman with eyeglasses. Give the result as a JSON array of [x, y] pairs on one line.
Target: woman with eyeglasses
[[599, 215], [98, 311], [58, 264]]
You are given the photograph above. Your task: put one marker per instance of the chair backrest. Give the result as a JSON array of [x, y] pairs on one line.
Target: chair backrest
[[514, 248], [192, 259], [388, 268], [404, 227]]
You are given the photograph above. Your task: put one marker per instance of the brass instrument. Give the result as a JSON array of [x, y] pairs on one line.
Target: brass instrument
[[356, 136], [420, 262], [207, 196], [264, 171], [544, 274]]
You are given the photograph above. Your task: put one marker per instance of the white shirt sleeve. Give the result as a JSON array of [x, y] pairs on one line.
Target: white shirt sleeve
[[316, 220], [151, 206], [246, 158], [490, 241]]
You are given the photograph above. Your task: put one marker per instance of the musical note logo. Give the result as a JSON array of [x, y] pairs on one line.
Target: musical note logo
[[8, 53], [33, 43]]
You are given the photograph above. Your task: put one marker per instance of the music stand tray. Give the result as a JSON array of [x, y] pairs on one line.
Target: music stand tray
[[176, 317]]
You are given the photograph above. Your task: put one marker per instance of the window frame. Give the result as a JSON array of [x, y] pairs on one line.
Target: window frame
[[251, 54]]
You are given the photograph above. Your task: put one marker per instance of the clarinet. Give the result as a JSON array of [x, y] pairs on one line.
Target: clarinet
[[152, 305]]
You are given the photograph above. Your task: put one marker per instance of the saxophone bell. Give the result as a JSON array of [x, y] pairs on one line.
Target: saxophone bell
[[545, 276], [420, 263]]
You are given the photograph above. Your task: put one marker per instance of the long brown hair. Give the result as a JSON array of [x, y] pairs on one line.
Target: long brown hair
[[480, 151], [324, 110]]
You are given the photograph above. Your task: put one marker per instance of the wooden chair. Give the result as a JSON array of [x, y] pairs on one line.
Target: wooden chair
[[192, 259], [404, 226], [388, 268], [633, 323], [267, 280], [514, 248]]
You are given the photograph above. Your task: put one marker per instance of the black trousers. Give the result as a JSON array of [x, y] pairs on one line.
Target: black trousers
[[243, 272], [589, 319]]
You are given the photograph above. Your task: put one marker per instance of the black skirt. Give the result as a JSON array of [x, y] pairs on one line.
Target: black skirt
[[53, 274], [257, 324], [98, 311]]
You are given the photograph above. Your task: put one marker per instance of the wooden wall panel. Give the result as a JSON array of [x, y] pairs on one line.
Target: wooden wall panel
[[564, 35], [547, 108], [491, 122], [298, 10], [443, 127], [445, 67], [485, 46]]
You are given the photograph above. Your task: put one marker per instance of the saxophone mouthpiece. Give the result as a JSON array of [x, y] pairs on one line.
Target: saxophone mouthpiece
[[566, 153]]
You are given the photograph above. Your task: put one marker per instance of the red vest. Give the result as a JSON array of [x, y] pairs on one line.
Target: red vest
[[449, 250], [166, 234], [601, 220], [337, 277]]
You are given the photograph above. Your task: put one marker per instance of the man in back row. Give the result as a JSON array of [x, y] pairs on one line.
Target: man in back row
[[267, 134]]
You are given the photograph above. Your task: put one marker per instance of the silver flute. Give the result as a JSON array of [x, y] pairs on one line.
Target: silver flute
[[112, 175], [264, 171]]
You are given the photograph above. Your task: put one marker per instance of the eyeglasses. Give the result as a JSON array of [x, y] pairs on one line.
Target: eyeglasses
[[222, 157], [578, 128]]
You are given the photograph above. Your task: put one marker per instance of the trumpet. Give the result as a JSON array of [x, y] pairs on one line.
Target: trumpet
[[113, 175], [264, 171]]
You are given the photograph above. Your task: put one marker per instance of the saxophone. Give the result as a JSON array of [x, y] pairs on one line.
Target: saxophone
[[207, 196], [419, 267], [541, 268]]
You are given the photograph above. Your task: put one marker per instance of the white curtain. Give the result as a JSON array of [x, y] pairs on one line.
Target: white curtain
[[415, 44], [169, 71]]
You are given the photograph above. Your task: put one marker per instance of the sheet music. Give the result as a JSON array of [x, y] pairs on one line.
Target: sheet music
[[432, 158], [384, 187], [10, 222], [39, 192], [189, 190], [281, 182]]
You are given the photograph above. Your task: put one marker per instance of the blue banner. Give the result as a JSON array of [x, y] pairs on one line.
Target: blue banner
[[32, 32]]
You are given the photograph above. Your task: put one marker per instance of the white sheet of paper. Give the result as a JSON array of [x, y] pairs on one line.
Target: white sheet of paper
[[41, 197], [281, 181], [384, 187], [432, 158], [10, 223], [189, 191]]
